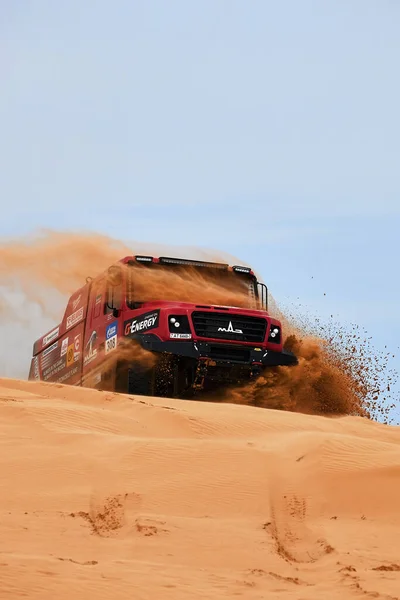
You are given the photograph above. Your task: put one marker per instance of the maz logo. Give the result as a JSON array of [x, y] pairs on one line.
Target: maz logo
[[230, 329]]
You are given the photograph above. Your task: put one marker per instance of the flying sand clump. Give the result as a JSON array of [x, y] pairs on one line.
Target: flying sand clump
[[339, 373]]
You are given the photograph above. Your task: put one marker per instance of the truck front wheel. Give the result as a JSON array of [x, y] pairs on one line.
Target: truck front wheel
[[134, 378], [140, 380], [167, 378]]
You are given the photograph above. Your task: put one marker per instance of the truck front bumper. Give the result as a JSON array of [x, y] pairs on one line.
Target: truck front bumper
[[218, 352]]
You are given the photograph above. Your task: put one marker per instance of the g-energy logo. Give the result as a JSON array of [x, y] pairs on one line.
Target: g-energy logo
[[142, 323]]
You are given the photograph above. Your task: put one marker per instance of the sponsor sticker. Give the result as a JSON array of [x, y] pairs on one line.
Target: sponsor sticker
[[90, 357], [111, 330], [64, 346], [142, 323], [70, 355], [53, 369], [90, 349], [50, 336], [36, 373], [49, 349], [75, 303], [74, 318], [68, 374], [46, 358], [77, 347], [111, 337], [181, 336]]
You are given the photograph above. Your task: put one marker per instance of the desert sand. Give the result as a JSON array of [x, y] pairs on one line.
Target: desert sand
[[108, 496]]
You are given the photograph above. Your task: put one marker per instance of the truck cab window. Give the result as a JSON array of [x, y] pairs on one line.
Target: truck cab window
[[114, 289]]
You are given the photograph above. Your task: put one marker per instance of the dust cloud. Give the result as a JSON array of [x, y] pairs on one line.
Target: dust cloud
[[39, 272], [339, 372], [58, 263]]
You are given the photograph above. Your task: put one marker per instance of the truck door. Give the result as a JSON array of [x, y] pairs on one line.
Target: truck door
[[101, 333]]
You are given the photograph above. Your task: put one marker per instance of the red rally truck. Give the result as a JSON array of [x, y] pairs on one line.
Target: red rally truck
[[192, 346]]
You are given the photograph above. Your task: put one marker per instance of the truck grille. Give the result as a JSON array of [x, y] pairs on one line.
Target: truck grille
[[225, 326]]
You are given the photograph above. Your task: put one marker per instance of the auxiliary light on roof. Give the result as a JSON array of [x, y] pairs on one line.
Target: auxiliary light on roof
[[241, 269], [144, 258]]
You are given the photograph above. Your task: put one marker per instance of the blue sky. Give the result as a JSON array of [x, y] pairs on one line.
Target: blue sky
[[269, 130]]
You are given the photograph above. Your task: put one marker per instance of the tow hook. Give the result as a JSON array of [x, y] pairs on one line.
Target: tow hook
[[255, 371]]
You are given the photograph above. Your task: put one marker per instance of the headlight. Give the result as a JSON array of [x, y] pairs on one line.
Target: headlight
[[275, 334], [179, 327]]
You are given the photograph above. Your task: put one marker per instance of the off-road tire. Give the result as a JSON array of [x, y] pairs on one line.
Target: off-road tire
[[140, 380]]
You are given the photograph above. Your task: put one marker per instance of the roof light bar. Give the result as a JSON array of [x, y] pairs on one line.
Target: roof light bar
[[241, 269], [194, 263]]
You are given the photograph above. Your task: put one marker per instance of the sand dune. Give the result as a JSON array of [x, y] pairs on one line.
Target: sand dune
[[105, 496]]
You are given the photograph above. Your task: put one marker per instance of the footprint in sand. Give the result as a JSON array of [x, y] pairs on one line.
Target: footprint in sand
[[113, 515]]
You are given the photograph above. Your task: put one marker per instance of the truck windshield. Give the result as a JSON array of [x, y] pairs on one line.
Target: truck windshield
[[198, 285]]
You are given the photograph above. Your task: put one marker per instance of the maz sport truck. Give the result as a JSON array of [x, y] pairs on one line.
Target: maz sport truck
[[115, 335]]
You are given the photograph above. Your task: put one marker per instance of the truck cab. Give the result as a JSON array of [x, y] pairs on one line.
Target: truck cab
[[163, 326]]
